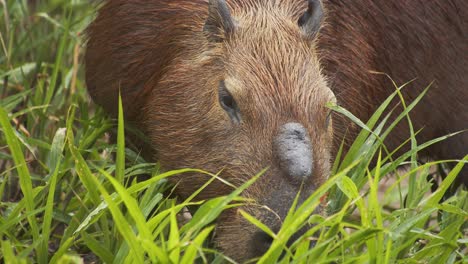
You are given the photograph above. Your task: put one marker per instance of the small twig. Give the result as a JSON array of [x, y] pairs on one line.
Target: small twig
[[21, 127]]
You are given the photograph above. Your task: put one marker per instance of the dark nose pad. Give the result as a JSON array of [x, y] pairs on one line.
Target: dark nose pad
[[294, 151]]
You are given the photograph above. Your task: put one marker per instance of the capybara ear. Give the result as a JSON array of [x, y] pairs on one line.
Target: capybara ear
[[311, 20], [219, 23]]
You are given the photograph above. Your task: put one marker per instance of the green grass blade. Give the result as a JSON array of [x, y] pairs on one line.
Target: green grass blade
[[196, 246], [82, 169], [132, 207], [97, 248], [123, 226], [56, 150], [298, 219], [210, 210], [174, 239], [64, 247], [22, 169], [7, 251], [434, 199], [257, 223], [58, 61], [49, 208], [120, 159]]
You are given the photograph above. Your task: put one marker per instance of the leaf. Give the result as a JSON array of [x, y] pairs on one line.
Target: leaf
[[56, 150], [97, 248], [257, 223], [434, 198], [120, 159], [21, 168], [174, 242], [196, 245]]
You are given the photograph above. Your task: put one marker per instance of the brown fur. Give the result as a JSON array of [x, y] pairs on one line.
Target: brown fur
[[168, 73], [408, 40]]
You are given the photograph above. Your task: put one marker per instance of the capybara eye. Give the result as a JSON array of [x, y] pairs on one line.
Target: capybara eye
[[227, 102]]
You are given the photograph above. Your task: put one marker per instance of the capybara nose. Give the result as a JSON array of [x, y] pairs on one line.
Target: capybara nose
[[294, 151]]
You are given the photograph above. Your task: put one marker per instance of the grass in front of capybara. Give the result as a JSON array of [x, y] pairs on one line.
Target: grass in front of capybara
[[66, 199]]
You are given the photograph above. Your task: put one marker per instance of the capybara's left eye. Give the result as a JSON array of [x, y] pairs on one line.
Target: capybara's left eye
[[227, 102]]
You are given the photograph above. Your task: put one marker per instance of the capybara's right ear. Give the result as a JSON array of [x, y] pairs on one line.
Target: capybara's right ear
[[311, 20], [219, 23]]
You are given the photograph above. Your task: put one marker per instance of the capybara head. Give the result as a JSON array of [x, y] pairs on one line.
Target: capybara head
[[235, 87]]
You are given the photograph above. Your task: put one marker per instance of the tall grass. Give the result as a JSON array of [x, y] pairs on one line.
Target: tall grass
[[66, 199]]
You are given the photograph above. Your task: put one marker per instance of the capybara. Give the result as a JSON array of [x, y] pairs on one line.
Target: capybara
[[242, 85]]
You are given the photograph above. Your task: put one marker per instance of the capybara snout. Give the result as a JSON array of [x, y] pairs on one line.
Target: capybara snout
[[294, 151], [242, 85]]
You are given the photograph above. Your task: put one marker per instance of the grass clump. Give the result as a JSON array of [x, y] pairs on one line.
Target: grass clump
[[65, 198]]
